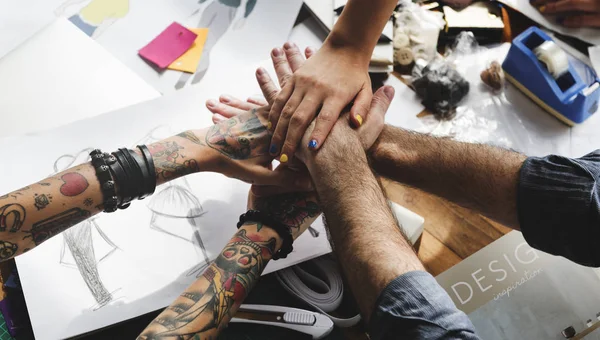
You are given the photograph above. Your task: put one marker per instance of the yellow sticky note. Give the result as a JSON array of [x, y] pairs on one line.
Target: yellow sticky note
[[188, 62]]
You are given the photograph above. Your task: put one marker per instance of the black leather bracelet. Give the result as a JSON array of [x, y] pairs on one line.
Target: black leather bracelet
[[128, 182], [120, 179], [107, 183], [147, 155], [137, 173], [140, 165], [269, 221]]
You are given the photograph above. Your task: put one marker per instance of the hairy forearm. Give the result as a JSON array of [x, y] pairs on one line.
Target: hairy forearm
[[361, 225], [480, 177], [33, 214], [360, 25]]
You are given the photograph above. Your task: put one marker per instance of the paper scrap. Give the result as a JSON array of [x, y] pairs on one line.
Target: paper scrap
[[594, 52], [188, 62], [169, 45]]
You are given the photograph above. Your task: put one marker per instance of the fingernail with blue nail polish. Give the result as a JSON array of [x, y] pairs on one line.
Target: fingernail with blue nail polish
[[273, 149], [312, 144]]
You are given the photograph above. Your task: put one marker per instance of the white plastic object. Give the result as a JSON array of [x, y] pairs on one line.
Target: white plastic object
[[410, 223], [315, 324], [555, 59]]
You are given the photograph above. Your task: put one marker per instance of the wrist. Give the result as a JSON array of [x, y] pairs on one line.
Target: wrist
[[341, 44], [204, 156], [391, 147], [337, 165]]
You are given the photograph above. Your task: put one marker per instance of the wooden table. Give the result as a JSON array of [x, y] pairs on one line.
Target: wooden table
[[452, 233]]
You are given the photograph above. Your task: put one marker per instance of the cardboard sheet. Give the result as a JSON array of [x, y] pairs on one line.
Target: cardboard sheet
[[590, 35], [148, 267]]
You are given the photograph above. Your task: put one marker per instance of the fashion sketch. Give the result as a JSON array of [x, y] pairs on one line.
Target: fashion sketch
[[85, 245], [96, 15], [218, 16], [176, 211]]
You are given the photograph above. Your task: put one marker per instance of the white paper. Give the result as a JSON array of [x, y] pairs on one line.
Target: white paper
[[75, 79], [405, 107], [594, 52], [590, 35], [308, 33], [149, 269], [233, 39], [323, 10]]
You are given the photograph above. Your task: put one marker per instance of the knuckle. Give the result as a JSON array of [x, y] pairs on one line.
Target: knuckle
[[288, 111], [327, 116], [297, 119], [279, 61], [284, 79], [289, 146], [279, 103], [272, 93]]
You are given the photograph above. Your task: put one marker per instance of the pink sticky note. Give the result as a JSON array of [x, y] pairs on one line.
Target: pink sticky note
[[174, 41]]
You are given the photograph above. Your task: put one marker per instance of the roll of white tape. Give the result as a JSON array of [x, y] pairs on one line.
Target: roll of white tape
[[553, 57]]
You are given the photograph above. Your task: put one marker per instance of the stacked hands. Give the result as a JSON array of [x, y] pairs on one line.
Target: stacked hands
[[293, 174], [239, 145], [571, 13]]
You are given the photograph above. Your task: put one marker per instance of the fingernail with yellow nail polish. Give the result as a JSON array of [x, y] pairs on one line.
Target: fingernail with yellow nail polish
[[283, 158], [542, 8], [269, 126], [359, 120]]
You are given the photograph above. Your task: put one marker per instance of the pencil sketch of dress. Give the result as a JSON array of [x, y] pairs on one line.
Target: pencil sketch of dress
[[176, 211], [85, 245], [218, 16]]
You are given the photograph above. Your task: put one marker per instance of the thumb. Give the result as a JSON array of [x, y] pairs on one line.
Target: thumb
[[360, 108], [381, 101]]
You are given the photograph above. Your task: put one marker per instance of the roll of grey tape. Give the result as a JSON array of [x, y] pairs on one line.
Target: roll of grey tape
[[555, 59], [328, 291]]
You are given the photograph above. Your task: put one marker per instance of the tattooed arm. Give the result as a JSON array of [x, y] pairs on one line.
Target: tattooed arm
[[235, 147], [206, 307]]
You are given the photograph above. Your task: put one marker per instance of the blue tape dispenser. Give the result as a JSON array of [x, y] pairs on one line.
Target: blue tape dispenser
[[542, 70]]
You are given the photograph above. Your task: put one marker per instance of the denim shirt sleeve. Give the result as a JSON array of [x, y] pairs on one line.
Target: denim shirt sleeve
[[415, 306], [559, 207]]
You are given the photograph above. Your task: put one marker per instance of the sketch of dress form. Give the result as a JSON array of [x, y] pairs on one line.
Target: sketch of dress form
[[217, 16], [97, 15], [85, 244], [176, 211]]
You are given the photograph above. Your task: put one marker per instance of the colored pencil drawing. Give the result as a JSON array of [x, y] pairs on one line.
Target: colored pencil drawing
[[96, 15]]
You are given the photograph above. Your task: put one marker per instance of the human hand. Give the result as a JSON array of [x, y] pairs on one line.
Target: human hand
[[285, 65], [297, 210], [325, 84], [238, 148], [571, 13], [367, 134]]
